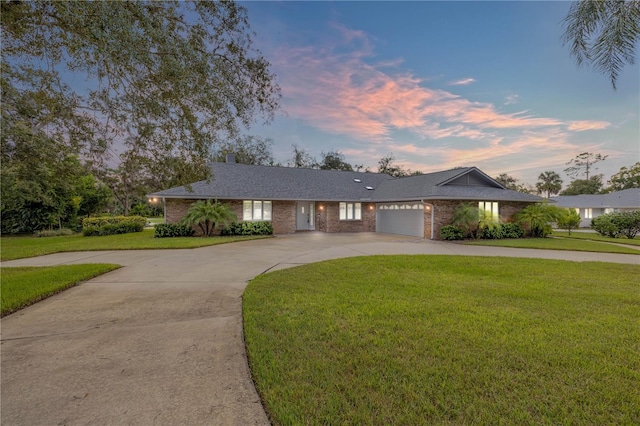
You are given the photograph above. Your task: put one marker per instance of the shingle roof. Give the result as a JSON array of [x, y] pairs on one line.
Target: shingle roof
[[239, 181], [627, 198]]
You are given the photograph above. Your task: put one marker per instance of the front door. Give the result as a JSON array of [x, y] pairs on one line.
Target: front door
[[305, 220]]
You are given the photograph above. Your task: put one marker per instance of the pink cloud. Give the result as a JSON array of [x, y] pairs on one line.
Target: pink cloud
[[463, 82], [337, 89], [580, 126]]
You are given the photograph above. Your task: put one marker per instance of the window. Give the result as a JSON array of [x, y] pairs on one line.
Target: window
[[588, 214], [256, 210], [350, 211], [490, 208]]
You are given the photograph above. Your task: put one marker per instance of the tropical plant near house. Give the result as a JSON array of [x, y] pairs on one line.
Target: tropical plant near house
[[568, 219], [207, 215], [466, 217], [549, 182], [538, 217]]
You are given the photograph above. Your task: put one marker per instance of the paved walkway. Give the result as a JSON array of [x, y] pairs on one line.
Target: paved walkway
[[159, 341]]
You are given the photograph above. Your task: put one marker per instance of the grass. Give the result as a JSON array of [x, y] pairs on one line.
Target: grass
[[20, 247], [597, 237], [446, 340], [557, 244], [25, 286]]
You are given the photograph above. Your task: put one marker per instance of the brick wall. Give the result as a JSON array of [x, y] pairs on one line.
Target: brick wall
[[283, 213], [328, 218], [328, 215], [443, 213], [283, 217]]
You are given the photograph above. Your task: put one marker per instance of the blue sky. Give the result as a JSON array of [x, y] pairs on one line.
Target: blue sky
[[440, 85]]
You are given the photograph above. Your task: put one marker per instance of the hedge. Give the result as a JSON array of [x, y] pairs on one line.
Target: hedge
[[170, 230], [248, 228], [617, 224], [110, 225]]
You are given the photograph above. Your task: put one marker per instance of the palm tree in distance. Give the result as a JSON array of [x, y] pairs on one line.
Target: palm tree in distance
[[549, 182]]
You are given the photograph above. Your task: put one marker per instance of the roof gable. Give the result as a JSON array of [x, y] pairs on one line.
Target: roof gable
[[472, 176]]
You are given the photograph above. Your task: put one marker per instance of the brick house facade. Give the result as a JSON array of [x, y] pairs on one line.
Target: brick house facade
[[346, 201]]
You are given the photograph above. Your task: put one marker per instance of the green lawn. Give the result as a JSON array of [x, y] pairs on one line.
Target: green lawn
[[19, 247], [446, 340], [597, 237], [24, 286], [557, 244]]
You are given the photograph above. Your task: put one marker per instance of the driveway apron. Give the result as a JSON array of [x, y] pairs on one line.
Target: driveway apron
[[159, 341]]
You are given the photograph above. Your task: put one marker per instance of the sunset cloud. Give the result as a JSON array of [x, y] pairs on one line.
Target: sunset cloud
[[463, 82], [339, 88], [580, 126], [511, 99]]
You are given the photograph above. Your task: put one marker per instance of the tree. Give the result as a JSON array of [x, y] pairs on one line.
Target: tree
[[466, 217], [538, 217], [625, 178], [583, 164], [604, 34], [583, 186], [386, 165], [507, 181], [43, 181], [568, 219], [163, 79], [549, 182], [301, 158], [254, 150], [208, 215], [512, 183], [334, 160]]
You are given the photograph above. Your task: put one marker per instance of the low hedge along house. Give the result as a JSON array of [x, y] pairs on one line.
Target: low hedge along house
[[294, 199]]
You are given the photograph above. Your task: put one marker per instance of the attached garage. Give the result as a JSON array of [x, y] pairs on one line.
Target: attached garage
[[400, 218]]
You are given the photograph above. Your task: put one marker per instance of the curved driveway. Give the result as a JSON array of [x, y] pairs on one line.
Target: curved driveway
[[159, 341]]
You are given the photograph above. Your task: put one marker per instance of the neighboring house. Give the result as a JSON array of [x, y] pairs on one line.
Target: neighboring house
[[296, 199], [593, 205]]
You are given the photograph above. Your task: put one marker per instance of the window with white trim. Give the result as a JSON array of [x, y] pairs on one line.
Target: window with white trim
[[588, 213], [490, 208], [350, 211], [256, 210]]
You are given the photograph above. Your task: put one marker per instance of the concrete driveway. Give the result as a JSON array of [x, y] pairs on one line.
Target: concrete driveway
[[159, 341]]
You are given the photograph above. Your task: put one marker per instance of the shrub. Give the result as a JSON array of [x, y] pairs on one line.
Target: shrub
[[53, 232], [512, 230], [451, 232], [617, 224], [110, 225], [492, 233], [604, 226], [169, 230], [628, 223], [248, 228], [140, 209]]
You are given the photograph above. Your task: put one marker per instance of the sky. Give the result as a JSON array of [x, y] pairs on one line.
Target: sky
[[442, 85]]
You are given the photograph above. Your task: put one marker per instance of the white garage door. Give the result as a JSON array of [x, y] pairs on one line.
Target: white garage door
[[400, 218]]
